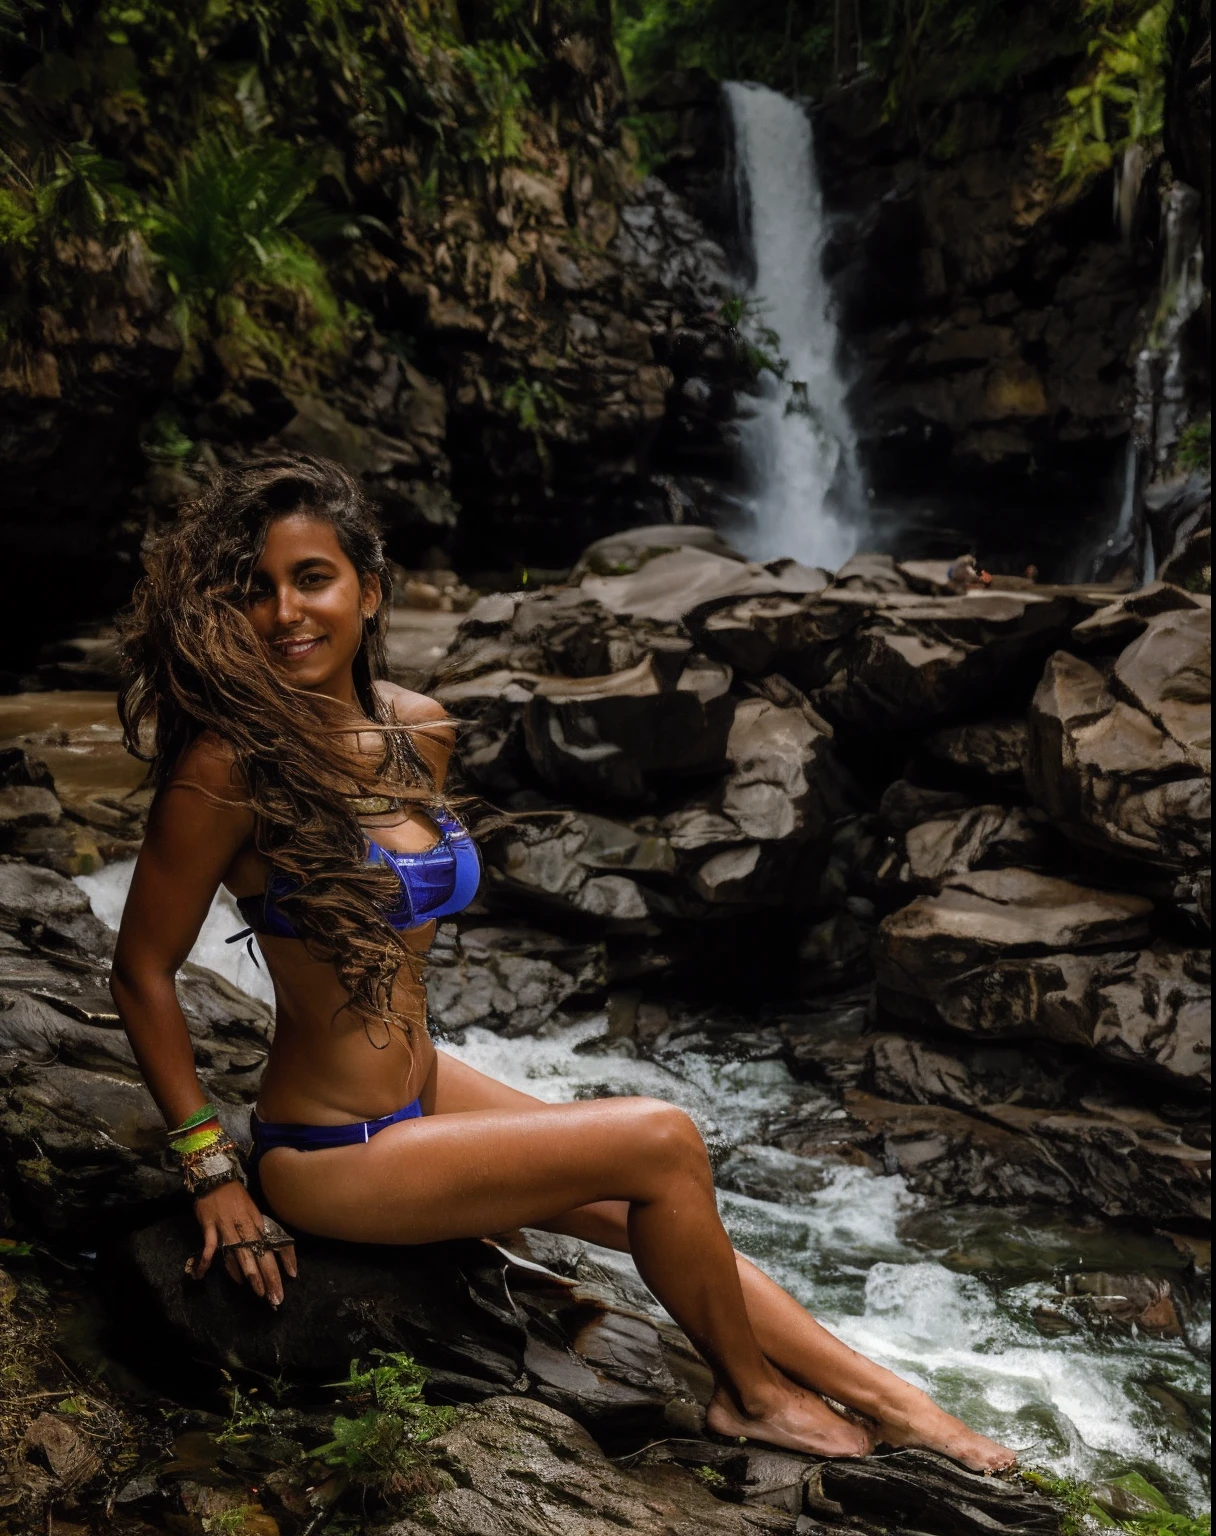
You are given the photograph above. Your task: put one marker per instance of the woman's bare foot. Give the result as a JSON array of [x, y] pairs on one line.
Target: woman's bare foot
[[795, 1419], [914, 1419]]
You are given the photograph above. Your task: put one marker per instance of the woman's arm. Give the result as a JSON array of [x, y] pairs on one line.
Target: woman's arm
[[197, 826], [195, 830]]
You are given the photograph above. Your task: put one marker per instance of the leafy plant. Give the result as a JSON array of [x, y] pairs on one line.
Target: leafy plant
[[1083, 1512], [228, 220], [531, 400], [383, 1450], [1122, 100], [496, 71], [1194, 453], [67, 191], [245, 1417]]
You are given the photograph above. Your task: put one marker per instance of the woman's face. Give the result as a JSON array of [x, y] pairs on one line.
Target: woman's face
[[307, 603]]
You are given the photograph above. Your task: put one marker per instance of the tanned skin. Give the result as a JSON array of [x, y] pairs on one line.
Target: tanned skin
[[484, 1158]]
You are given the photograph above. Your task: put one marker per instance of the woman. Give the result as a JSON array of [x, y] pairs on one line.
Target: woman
[[291, 773]]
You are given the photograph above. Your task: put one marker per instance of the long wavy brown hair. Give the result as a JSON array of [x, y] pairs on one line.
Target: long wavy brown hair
[[193, 663]]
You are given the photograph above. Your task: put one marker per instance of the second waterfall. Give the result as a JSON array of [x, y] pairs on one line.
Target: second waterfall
[[804, 494]]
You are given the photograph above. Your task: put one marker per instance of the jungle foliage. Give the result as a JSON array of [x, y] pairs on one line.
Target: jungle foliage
[[239, 143], [926, 54]]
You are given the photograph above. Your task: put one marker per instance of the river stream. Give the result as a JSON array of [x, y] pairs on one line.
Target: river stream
[[946, 1297]]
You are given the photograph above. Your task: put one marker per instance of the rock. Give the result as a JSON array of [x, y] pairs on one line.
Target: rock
[[509, 979], [994, 915], [18, 768], [46, 909], [905, 805], [670, 585], [871, 573], [1121, 1161], [519, 1468], [986, 837], [912, 661], [886, 659], [1124, 1303], [1128, 617], [924, 1492], [968, 1077], [1148, 1009], [621, 554], [66, 1450], [994, 750], [607, 736], [27, 806], [480, 1319], [782, 792], [580, 864], [1123, 764]]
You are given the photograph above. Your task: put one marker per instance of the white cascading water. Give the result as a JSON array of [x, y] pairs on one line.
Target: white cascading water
[[805, 496]]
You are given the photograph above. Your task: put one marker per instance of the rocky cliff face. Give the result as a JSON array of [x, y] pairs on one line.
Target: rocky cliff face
[[518, 329]]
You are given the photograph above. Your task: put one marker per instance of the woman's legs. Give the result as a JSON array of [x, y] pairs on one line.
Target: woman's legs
[[465, 1173], [786, 1332]]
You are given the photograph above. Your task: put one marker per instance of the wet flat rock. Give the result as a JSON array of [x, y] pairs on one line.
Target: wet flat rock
[[521, 1469]]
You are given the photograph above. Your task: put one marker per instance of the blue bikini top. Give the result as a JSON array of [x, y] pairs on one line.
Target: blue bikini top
[[435, 883]]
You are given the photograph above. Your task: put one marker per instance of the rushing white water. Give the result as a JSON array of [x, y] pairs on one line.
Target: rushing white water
[[107, 890], [805, 495], [1077, 1405]]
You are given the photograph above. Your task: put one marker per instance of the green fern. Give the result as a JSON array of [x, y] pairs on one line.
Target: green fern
[[383, 1450], [1122, 100], [226, 229], [496, 73]]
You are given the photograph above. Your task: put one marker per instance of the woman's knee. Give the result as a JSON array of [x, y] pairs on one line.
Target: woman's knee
[[670, 1137]]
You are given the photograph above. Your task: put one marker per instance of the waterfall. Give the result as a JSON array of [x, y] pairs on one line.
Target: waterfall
[[804, 493]]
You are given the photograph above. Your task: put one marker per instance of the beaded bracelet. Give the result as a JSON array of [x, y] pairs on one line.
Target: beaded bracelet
[[207, 1154]]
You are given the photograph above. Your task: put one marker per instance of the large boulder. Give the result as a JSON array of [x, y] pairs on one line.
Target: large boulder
[[1007, 954], [580, 865], [743, 842], [894, 659], [1149, 1008], [673, 583], [608, 736], [520, 1468], [1121, 1161], [994, 915], [1122, 762], [981, 837], [508, 977], [481, 1319]]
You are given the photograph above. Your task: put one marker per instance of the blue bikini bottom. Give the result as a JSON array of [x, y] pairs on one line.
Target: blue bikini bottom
[[315, 1138]]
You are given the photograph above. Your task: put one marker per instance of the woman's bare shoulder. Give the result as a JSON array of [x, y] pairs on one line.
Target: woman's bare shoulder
[[408, 707], [210, 764]]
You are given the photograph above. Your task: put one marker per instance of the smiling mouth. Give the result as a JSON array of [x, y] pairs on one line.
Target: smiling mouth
[[295, 650]]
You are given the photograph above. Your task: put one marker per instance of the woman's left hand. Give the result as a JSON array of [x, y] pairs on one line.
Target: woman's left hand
[[253, 1246]]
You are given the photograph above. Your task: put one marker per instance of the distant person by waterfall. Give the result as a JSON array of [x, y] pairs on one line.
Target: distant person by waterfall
[[804, 495]]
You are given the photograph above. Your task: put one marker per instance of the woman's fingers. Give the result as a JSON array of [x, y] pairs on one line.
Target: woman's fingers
[[271, 1279], [196, 1268], [237, 1237]]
